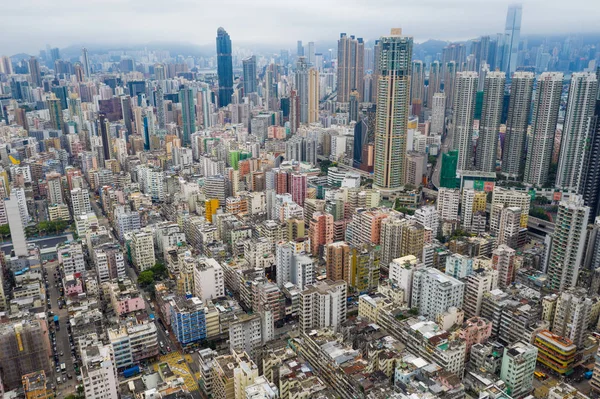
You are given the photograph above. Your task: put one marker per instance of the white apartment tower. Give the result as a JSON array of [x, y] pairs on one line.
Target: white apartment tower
[[477, 284], [489, 126], [142, 250], [510, 226], [99, 373], [401, 274], [428, 217], [438, 114], [209, 282], [465, 92], [519, 110], [502, 198], [471, 202], [503, 261], [433, 292], [80, 201], [580, 108], [323, 305], [572, 315], [518, 366], [568, 242], [447, 204], [544, 120]]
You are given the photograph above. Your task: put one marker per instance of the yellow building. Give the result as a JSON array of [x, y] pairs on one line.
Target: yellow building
[[211, 315], [371, 307], [555, 351], [232, 374], [210, 208], [364, 269], [295, 229], [58, 212], [34, 386]]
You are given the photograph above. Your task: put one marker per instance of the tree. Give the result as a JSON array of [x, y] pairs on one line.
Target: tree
[[539, 213], [146, 278], [325, 164], [159, 270], [4, 231]]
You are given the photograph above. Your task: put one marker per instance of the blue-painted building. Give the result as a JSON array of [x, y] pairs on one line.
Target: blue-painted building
[[187, 320]]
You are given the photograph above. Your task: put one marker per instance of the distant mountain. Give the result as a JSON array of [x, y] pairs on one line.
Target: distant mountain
[[431, 46], [19, 57], [178, 48]]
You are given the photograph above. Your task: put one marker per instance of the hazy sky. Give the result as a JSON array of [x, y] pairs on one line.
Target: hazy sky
[[28, 25]]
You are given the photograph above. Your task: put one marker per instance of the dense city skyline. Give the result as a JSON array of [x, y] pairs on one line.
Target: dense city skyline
[[136, 23], [367, 219]]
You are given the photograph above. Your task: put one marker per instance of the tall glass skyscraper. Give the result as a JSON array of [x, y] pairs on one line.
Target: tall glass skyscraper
[[249, 65], [393, 88], [512, 36], [224, 67], [188, 114]]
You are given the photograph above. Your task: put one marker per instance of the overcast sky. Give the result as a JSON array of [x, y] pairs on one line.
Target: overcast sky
[[28, 25]]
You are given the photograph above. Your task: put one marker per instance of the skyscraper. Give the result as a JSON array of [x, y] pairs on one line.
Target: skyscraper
[[311, 53], [313, 95], [224, 67], [361, 142], [376, 69], [417, 86], [188, 114], [300, 49], [104, 129], [249, 66], [302, 87], [462, 124], [127, 114], [160, 106], [393, 87], [590, 176], [6, 65], [350, 68], [519, 109], [449, 85], [34, 71], [480, 49], [568, 243], [55, 109], [353, 108], [580, 108], [438, 113], [512, 36], [159, 72], [435, 80], [85, 61], [489, 126], [545, 117]]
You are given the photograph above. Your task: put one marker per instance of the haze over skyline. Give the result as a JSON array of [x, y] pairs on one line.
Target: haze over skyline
[[29, 25]]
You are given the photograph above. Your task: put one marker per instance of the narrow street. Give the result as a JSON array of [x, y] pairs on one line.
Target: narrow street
[[163, 336], [61, 343]]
